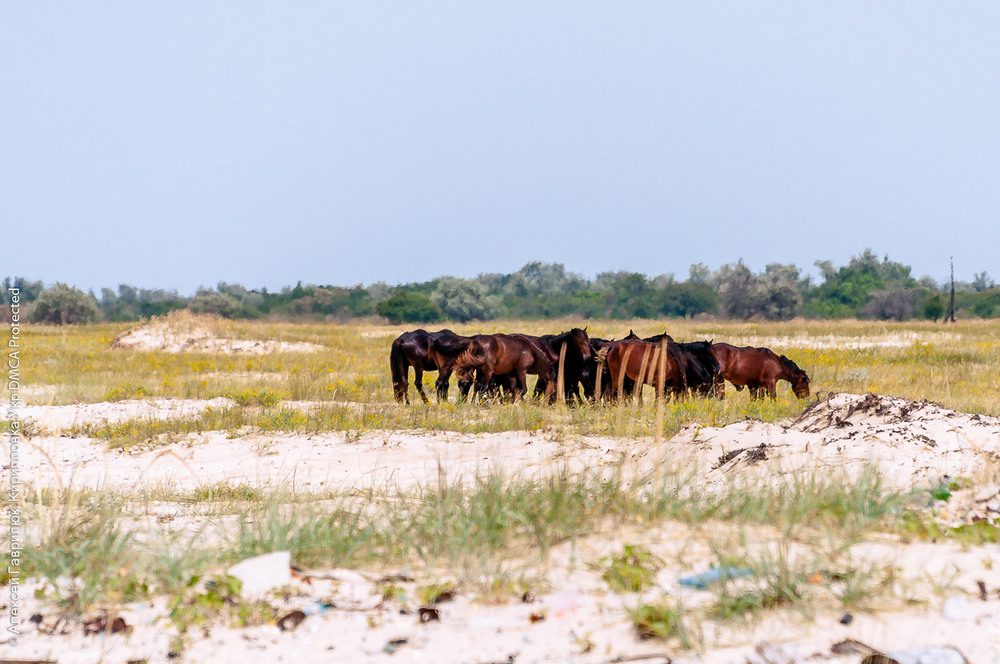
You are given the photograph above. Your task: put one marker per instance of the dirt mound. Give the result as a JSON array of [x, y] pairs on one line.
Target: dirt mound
[[914, 443], [184, 332]]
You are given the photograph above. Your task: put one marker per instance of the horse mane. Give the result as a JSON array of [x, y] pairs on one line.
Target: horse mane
[[790, 365], [452, 347]]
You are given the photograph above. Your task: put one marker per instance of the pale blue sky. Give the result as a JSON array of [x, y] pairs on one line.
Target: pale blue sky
[[174, 144]]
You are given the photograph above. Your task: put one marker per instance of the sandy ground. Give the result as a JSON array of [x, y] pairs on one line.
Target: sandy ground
[[580, 620], [181, 332], [828, 341], [915, 443]]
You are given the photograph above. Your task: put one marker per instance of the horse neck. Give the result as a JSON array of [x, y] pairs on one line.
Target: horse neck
[[785, 372]]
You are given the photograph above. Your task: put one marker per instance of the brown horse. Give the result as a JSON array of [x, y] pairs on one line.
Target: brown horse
[[413, 349], [510, 358], [639, 362], [759, 370]]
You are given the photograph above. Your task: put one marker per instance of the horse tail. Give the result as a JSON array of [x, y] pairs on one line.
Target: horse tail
[[602, 356], [678, 357], [398, 368]]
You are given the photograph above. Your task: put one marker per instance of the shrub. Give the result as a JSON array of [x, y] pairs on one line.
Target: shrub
[[220, 304], [406, 306], [64, 305]]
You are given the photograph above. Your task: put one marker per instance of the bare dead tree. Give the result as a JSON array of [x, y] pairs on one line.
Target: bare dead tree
[[949, 317]]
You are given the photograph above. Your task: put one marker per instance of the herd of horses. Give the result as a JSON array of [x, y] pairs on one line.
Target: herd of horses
[[497, 366]]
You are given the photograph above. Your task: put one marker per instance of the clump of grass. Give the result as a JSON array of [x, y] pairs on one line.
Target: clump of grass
[[774, 582], [660, 620], [255, 396], [633, 570], [918, 524], [217, 599], [283, 419], [125, 392], [435, 593], [146, 432], [225, 491]]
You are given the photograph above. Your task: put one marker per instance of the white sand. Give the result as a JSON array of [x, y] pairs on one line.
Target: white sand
[[913, 443], [838, 341], [181, 332]]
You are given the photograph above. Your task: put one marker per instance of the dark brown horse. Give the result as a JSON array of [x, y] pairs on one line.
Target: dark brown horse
[[595, 367], [702, 370], [578, 354], [759, 370], [640, 362], [413, 349], [509, 357]]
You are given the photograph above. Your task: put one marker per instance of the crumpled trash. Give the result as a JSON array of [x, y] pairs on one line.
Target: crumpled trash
[[262, 574], [394, 645], [712, 575], [292, 620], [105, 624]]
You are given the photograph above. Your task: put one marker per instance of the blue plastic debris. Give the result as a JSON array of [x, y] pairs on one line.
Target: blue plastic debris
[[703, 580]]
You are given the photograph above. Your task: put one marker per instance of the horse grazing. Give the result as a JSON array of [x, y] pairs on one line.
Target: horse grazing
[[640, 362], [759, 370], [576, 361], [413, 349], [509, 357]]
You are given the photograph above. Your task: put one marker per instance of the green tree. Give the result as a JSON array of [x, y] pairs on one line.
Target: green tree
[[737, 290], [845, 291], [933, 307], [64, 305], [777, 294], [464, 300], [219, 304], [406, 306]]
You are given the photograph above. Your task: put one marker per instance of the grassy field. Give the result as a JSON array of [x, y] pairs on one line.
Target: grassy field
[[954, 366], [498, 536]]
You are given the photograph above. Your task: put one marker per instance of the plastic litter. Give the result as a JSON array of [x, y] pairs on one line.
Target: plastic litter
[[292, 620], [712, 575], [262, 574]]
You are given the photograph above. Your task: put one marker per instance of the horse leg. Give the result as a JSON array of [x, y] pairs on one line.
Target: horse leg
[[484, 380], [772, 389], [540, 385], [400, 386], [464, 387], [418, 382], [521, 385], [444, 375]]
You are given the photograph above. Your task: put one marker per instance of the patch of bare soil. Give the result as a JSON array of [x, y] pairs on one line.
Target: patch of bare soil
[[183, 332]]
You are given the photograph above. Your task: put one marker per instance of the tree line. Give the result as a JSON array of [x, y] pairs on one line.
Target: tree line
[[867, 287]]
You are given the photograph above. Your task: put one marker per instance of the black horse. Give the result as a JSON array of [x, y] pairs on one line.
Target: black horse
[[702, 371], [413, 349], [576, 365]]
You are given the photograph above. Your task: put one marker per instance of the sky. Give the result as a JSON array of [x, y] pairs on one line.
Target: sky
[[179, 144]]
